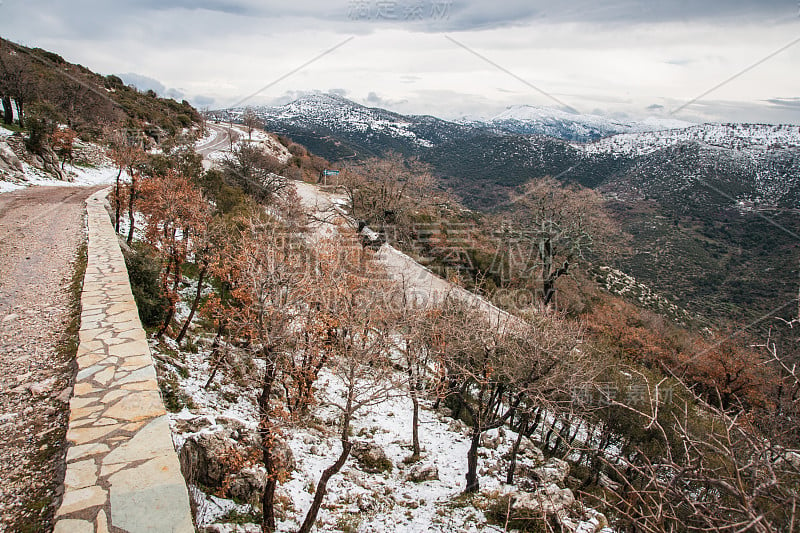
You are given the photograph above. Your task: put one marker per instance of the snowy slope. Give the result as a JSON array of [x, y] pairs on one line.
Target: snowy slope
[[756, 138], [334, 112], [554, 122]]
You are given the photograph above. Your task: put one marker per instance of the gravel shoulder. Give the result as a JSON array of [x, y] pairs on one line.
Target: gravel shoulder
[[41, 232]]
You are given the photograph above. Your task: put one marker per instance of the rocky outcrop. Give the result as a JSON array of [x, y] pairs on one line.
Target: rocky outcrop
[[420, 473], [206, 458], [223, 460], [553, 471], [371, 457], [248, 485], [10, 164], [545, 501]]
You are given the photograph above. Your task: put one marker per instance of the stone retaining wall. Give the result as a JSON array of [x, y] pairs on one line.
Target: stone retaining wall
[[122, 470]]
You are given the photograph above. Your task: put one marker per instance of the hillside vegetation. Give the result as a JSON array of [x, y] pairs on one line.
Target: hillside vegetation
[[309, 389], [43, 85]]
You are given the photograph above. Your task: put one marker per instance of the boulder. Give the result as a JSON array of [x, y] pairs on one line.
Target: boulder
[[205, 457], [547, 500], [604, 481], [9, 158], [191, 425], [247, 485], [284, 458], [420, 473], [490, 440], [371, 457], [211, 459], [457, 426], [529, 451], [553, 471]]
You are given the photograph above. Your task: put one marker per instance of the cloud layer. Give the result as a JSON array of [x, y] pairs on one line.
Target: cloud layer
[[635, 58]]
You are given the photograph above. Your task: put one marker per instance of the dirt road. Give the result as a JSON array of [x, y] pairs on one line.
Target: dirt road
[[41, 230]]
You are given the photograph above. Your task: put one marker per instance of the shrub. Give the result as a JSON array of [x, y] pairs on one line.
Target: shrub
[[144, 270]]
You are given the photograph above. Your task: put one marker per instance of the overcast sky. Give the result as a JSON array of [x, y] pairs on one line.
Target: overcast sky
[[446, 58]]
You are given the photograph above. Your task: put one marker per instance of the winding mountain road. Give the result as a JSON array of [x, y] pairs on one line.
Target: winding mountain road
[[220, 142]]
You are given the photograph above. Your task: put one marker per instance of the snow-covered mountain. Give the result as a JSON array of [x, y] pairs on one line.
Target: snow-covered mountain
[[754, 139], [325, 111], [561, 124]]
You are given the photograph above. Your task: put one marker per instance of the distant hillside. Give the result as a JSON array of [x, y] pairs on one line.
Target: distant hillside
[[712, 207], [81, 98], [571, 126]]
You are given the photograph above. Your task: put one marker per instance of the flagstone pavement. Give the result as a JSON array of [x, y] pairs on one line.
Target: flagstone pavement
[[122, 470]]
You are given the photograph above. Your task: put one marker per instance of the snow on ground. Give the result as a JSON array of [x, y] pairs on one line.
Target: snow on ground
[[100, 172], [366, 502], [74, 176], [741, 137]]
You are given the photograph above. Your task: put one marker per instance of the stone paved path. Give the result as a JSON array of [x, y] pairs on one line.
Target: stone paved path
[[122, 470]]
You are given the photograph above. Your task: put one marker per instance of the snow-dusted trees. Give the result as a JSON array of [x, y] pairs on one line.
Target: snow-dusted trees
[[126, 153], [250, 121], [490, 368], [411, 326], [267, 281], [389, 193], [255, 172], [176, 214], [360, 362]]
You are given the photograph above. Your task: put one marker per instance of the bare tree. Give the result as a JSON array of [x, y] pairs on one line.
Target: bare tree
[[262, 267], [552, 228], [255, 172], [360, 359], [126, 153], [250, 121], [489, 369], [390, 193], [711, 470]]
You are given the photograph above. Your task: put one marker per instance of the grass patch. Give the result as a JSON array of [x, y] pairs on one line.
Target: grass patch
[[497, 510], [174, 397], [237, 517]]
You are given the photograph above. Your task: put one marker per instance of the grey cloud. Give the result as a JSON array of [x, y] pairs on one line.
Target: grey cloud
[[146, 83], [374, 100], [206, 20], [791, 103], [143, 83], [201, 101], [735, 111]]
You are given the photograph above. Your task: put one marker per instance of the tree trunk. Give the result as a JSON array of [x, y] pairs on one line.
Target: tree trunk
[[329, 472], [215, 356], [20, 119], [267, 434], [512, 461], [8, 112], [131, 201], [172, 296], [415, 423], [472, 463], [117, 202], [195, 303]]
